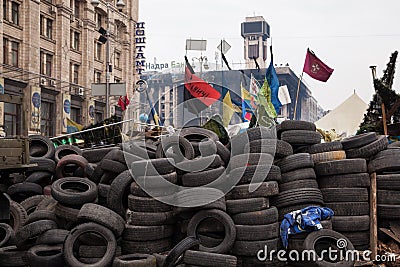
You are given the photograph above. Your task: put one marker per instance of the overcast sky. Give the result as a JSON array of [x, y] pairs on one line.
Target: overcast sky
[[348, 35]]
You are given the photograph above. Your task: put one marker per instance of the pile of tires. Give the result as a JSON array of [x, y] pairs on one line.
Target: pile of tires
[[387, 166]]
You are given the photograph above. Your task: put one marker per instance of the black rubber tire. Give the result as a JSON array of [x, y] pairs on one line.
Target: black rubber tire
[[199, 164], [369, 150], [155, 182], [52, 237], [388, 197], [265, 189], [40, 177], [33, 230], [345, 194], [103, 216], [236, 206], [262, 173], [117, 198], [31, 203], [18, 215], [297, 196], [7, 235], [355, 180], [310, 183], [257, 232], [108, 177], [147, 233], [202, 178], [294, 162], [297, 125], [262, 217], [46, 256], [153, 167], [358, 140], [223, 152], [385, 161], [299, 174], [74, 191], [267, 146], [43, 164], [146, 204], [183, 149], [250, 159], [344, 166], [201, 258], [223, 218], [325, 147], [80, 230], [148, 247], [197, 134], [389, 212], [113, 166], [250, 248], [48, 204], [301, 137], [64, 150], [11, 256], [328, 156], [150, 218], [116, 155], [135, 260], [95, 155], [204, 148], [348, 223], [42, 142], [42, 215], [97, 174], [73, 160], [359, 238], [324, 234], [388, 182], [155, 187], [103, 190], [174, 256], [349, 208], [21, 191], [67, 213]]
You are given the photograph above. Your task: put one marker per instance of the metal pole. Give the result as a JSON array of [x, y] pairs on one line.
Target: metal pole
[[108, 63], [297, 96]]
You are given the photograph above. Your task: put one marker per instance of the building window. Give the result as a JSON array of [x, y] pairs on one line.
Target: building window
[[117, 60], [76, 8], [14, 53], [46, 62], [15, 13], [75, 73], [75, 38], [253, 51], [5, 51], [5, 10], [47, 118], [99, 20], [98, 50], [12, 119], [49, 28], [97, 76], [76, 114]]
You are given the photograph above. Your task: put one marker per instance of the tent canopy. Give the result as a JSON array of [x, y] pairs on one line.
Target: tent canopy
[[345, 118]]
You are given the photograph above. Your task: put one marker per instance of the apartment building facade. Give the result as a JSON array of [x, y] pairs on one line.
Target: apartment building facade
[[52, 55]]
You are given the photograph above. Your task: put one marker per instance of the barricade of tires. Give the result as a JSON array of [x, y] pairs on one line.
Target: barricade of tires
[[104, 207]]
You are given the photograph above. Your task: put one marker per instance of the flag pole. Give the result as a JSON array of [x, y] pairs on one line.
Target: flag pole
[[297, 95]]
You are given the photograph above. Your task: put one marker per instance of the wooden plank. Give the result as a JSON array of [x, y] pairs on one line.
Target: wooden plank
[[11, 152], [373, 218], [10, 143]]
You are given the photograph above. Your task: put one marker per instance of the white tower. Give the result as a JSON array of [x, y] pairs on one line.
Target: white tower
[[255, 32]]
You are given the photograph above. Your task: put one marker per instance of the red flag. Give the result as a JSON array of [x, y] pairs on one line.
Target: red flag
[[196, 88], [317, 69], [123, 102]]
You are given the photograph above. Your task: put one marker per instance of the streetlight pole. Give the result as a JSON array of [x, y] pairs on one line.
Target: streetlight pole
[[108, 63]]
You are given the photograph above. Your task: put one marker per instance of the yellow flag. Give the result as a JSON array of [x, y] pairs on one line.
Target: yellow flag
[[228, 110]]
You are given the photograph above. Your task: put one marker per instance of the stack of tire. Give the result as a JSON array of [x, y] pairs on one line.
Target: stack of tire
[[298, 186], [386, 164], [255, 220], [344, 185], [299, 134], [150, 221]]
